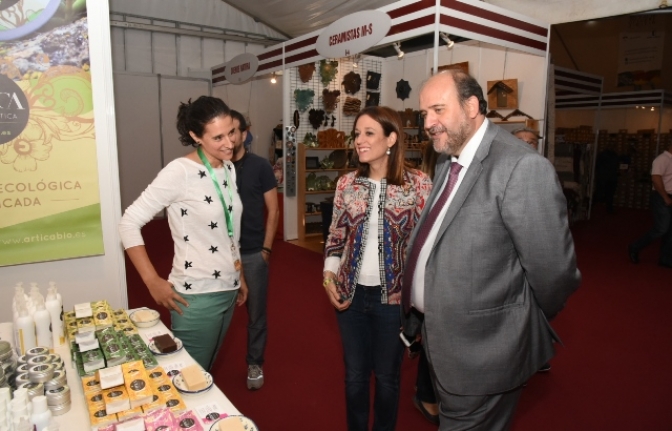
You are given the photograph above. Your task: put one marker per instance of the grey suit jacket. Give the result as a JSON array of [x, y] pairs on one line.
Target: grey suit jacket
[[502, 265]]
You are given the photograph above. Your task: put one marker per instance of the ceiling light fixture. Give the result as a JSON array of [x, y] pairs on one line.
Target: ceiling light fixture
[[446, 38], [400, 53], [273, 79]]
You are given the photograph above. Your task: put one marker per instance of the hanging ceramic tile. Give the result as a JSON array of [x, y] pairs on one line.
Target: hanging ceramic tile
[[328, 70], [303, 98], [330, 100], [352, 82], [403, 89], [306, 72], [372, 80]]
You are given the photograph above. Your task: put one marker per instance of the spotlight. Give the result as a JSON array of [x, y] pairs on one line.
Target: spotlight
[[446, 38], [397, 47], [355, 61], [653, 109], [273, 79]]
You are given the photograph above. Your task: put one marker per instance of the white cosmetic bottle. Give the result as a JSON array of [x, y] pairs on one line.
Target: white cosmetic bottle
[[25, 328], [41, 413], [54, 305], [43, 326]]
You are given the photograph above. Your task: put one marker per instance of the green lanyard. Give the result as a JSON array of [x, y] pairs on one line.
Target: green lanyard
[[227, 213]]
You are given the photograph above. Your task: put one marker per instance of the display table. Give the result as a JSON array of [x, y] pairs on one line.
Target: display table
[[203, 404]]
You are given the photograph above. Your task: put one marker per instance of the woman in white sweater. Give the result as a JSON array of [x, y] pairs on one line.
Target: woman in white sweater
[[204, 213]]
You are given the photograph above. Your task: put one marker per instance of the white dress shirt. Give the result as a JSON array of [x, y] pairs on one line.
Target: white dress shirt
[[465, 158]]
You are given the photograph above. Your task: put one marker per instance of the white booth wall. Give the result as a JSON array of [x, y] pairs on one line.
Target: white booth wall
[[487, 62], [262, 102], [95, 277], [153, 73]]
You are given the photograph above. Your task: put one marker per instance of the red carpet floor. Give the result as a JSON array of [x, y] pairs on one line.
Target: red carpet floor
[[612, 374]]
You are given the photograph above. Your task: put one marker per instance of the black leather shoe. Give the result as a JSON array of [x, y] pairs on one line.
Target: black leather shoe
[[544, 368], [633, 255], [430, 417]]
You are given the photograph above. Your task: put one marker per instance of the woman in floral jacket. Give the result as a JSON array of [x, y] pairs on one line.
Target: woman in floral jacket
[[375, 211]]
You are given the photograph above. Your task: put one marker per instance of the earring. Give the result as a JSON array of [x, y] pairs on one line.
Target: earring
[[388, 151]]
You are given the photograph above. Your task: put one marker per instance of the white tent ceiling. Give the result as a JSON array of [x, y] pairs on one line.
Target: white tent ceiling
[[297, 17]]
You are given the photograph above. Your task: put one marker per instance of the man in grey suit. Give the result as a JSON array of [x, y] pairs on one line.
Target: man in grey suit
[[490, 262]]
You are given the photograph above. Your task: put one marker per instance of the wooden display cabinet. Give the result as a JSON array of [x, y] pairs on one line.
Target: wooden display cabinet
[[310, 222]]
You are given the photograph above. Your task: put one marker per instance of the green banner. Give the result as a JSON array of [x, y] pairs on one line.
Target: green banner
[[49, 194]]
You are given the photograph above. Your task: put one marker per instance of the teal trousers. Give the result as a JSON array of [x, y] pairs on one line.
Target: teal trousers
[[204, 323]]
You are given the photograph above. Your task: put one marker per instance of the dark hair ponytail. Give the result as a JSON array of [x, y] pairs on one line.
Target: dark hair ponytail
[[194, 116]]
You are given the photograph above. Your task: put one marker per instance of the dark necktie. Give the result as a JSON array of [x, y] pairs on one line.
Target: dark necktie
[[423, 233]]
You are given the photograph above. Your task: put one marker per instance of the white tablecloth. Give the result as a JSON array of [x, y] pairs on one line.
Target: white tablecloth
[[77, 419]]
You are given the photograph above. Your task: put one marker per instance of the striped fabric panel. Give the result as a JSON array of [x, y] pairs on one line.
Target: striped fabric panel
[[410, 18], [568, 81]]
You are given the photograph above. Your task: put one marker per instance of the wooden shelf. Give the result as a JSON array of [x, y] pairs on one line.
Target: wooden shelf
[[529, 123], [302, 193], [304, 218]]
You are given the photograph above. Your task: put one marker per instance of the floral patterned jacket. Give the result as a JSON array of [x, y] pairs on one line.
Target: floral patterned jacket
[[400, 209]]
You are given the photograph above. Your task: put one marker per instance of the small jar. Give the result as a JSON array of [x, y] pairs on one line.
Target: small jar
[[6, 351], [34, 389], [37, 351], [59, 400], [39, 360], [41, 373], [58, 381], [21, 379]]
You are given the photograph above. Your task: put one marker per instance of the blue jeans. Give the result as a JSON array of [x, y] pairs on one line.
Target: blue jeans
[[256, 277], [662, 228], [370, 336]]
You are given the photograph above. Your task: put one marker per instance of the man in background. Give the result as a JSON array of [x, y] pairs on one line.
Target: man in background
[[661, 207], [606, 176], [528, 135], [257, 188], [491, 260]]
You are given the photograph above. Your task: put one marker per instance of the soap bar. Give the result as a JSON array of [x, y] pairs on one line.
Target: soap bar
[[231, 424], [165, 343], [83, 310], [137, 424], [110, 377], [194, 378], [116, 400], [143, 316]]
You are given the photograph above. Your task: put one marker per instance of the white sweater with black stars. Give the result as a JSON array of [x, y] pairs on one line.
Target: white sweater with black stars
[[203, 261]]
